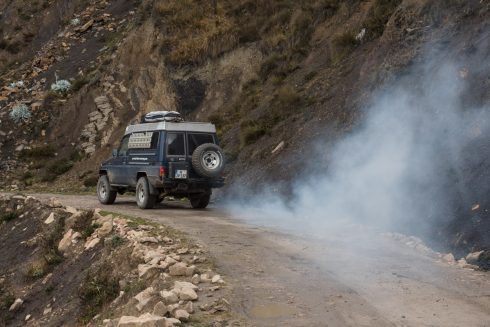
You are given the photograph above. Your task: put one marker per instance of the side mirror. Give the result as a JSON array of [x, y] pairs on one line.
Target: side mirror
[[114, 152]]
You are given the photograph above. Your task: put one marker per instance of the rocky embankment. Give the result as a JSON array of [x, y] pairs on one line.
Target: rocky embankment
[[62, 266]]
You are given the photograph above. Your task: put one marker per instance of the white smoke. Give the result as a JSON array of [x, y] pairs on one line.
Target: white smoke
[[392, 171]]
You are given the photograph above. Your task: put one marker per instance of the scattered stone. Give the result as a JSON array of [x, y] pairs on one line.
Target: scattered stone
[[147, 239], [215, 279], [16, 305], [160, 309], [148, 271], [169, 297], [196, 279], [182, 315], [185, 291], [187, 294], [90, 244], [144, 297], [54, 203], [205, 278], [449, 258], [105, 229], [179, 269], [65, 242], [171, 322], [50, 219], [278, 148], [47, 311], [189, 307], [27, 317], [183, 251], [472, 258], [145, 320]]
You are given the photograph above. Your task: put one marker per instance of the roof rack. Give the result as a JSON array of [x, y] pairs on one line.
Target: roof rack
[[161, 116]]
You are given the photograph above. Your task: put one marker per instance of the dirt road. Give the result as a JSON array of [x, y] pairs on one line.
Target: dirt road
[[353, 277]]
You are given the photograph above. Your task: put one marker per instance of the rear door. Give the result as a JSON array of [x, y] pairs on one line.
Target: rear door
[[193, 141], [178, 167]]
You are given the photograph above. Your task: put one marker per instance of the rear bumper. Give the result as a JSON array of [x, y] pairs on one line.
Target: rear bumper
[[190, 185]]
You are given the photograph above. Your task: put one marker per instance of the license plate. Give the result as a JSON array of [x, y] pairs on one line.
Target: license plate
[[181, 174]]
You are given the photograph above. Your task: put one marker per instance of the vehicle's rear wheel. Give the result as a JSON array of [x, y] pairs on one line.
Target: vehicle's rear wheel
[[199, 201], [104, 192], [144, 199]]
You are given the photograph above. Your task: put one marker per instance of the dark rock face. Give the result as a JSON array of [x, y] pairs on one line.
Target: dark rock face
[[190, 94]]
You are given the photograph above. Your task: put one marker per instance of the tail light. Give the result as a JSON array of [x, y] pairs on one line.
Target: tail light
[[162, 172]]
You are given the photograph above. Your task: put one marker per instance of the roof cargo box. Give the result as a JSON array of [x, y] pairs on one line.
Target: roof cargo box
[[159, 116]]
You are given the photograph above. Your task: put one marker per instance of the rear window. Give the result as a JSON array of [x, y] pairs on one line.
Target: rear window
[[175, 144], [195, 140]]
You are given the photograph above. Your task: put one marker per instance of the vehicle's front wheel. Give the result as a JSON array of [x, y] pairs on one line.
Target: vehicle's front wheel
[[104, 192], [199, 201], [144, 199]]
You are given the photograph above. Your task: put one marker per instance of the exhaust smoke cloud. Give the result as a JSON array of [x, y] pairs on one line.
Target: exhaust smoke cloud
[[406, 167]]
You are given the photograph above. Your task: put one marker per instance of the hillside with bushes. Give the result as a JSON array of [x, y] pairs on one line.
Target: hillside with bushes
[[276, 77]]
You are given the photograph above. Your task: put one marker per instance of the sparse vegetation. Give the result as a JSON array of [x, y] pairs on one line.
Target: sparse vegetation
[[379, 15], [40, 152], [59, 167], [346, 39], [61, 87], [8, 216], [90, 181], [20, 113], [98, 288], [116, 241], [252, 131], [36, 270]]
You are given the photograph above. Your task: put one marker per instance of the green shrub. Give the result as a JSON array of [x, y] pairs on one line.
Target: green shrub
[[59, 167], [116, 240], [90, 229], [8, 216], [45, 151]]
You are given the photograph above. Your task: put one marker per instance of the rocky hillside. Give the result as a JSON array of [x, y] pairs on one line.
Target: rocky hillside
[[272, 75], [64, 267]]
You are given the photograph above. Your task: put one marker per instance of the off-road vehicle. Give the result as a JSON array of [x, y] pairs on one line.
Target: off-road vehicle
[[164, 156]]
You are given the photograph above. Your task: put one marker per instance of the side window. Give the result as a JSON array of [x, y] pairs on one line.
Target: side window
[[143, 142], [123, 148], [195, 140], [154, 140], [175, 144]]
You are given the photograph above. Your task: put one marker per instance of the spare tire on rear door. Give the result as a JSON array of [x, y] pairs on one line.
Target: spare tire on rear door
[[208, 160]]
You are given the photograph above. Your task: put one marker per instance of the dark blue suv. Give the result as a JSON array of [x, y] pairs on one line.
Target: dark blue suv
[[164, 158]]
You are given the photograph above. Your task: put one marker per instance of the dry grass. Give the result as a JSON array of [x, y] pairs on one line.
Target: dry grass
[[194, 30]]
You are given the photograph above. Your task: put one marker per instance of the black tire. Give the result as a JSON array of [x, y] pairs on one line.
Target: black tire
[[208, 160], [104, 192], [144, 199], [199, 201]]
